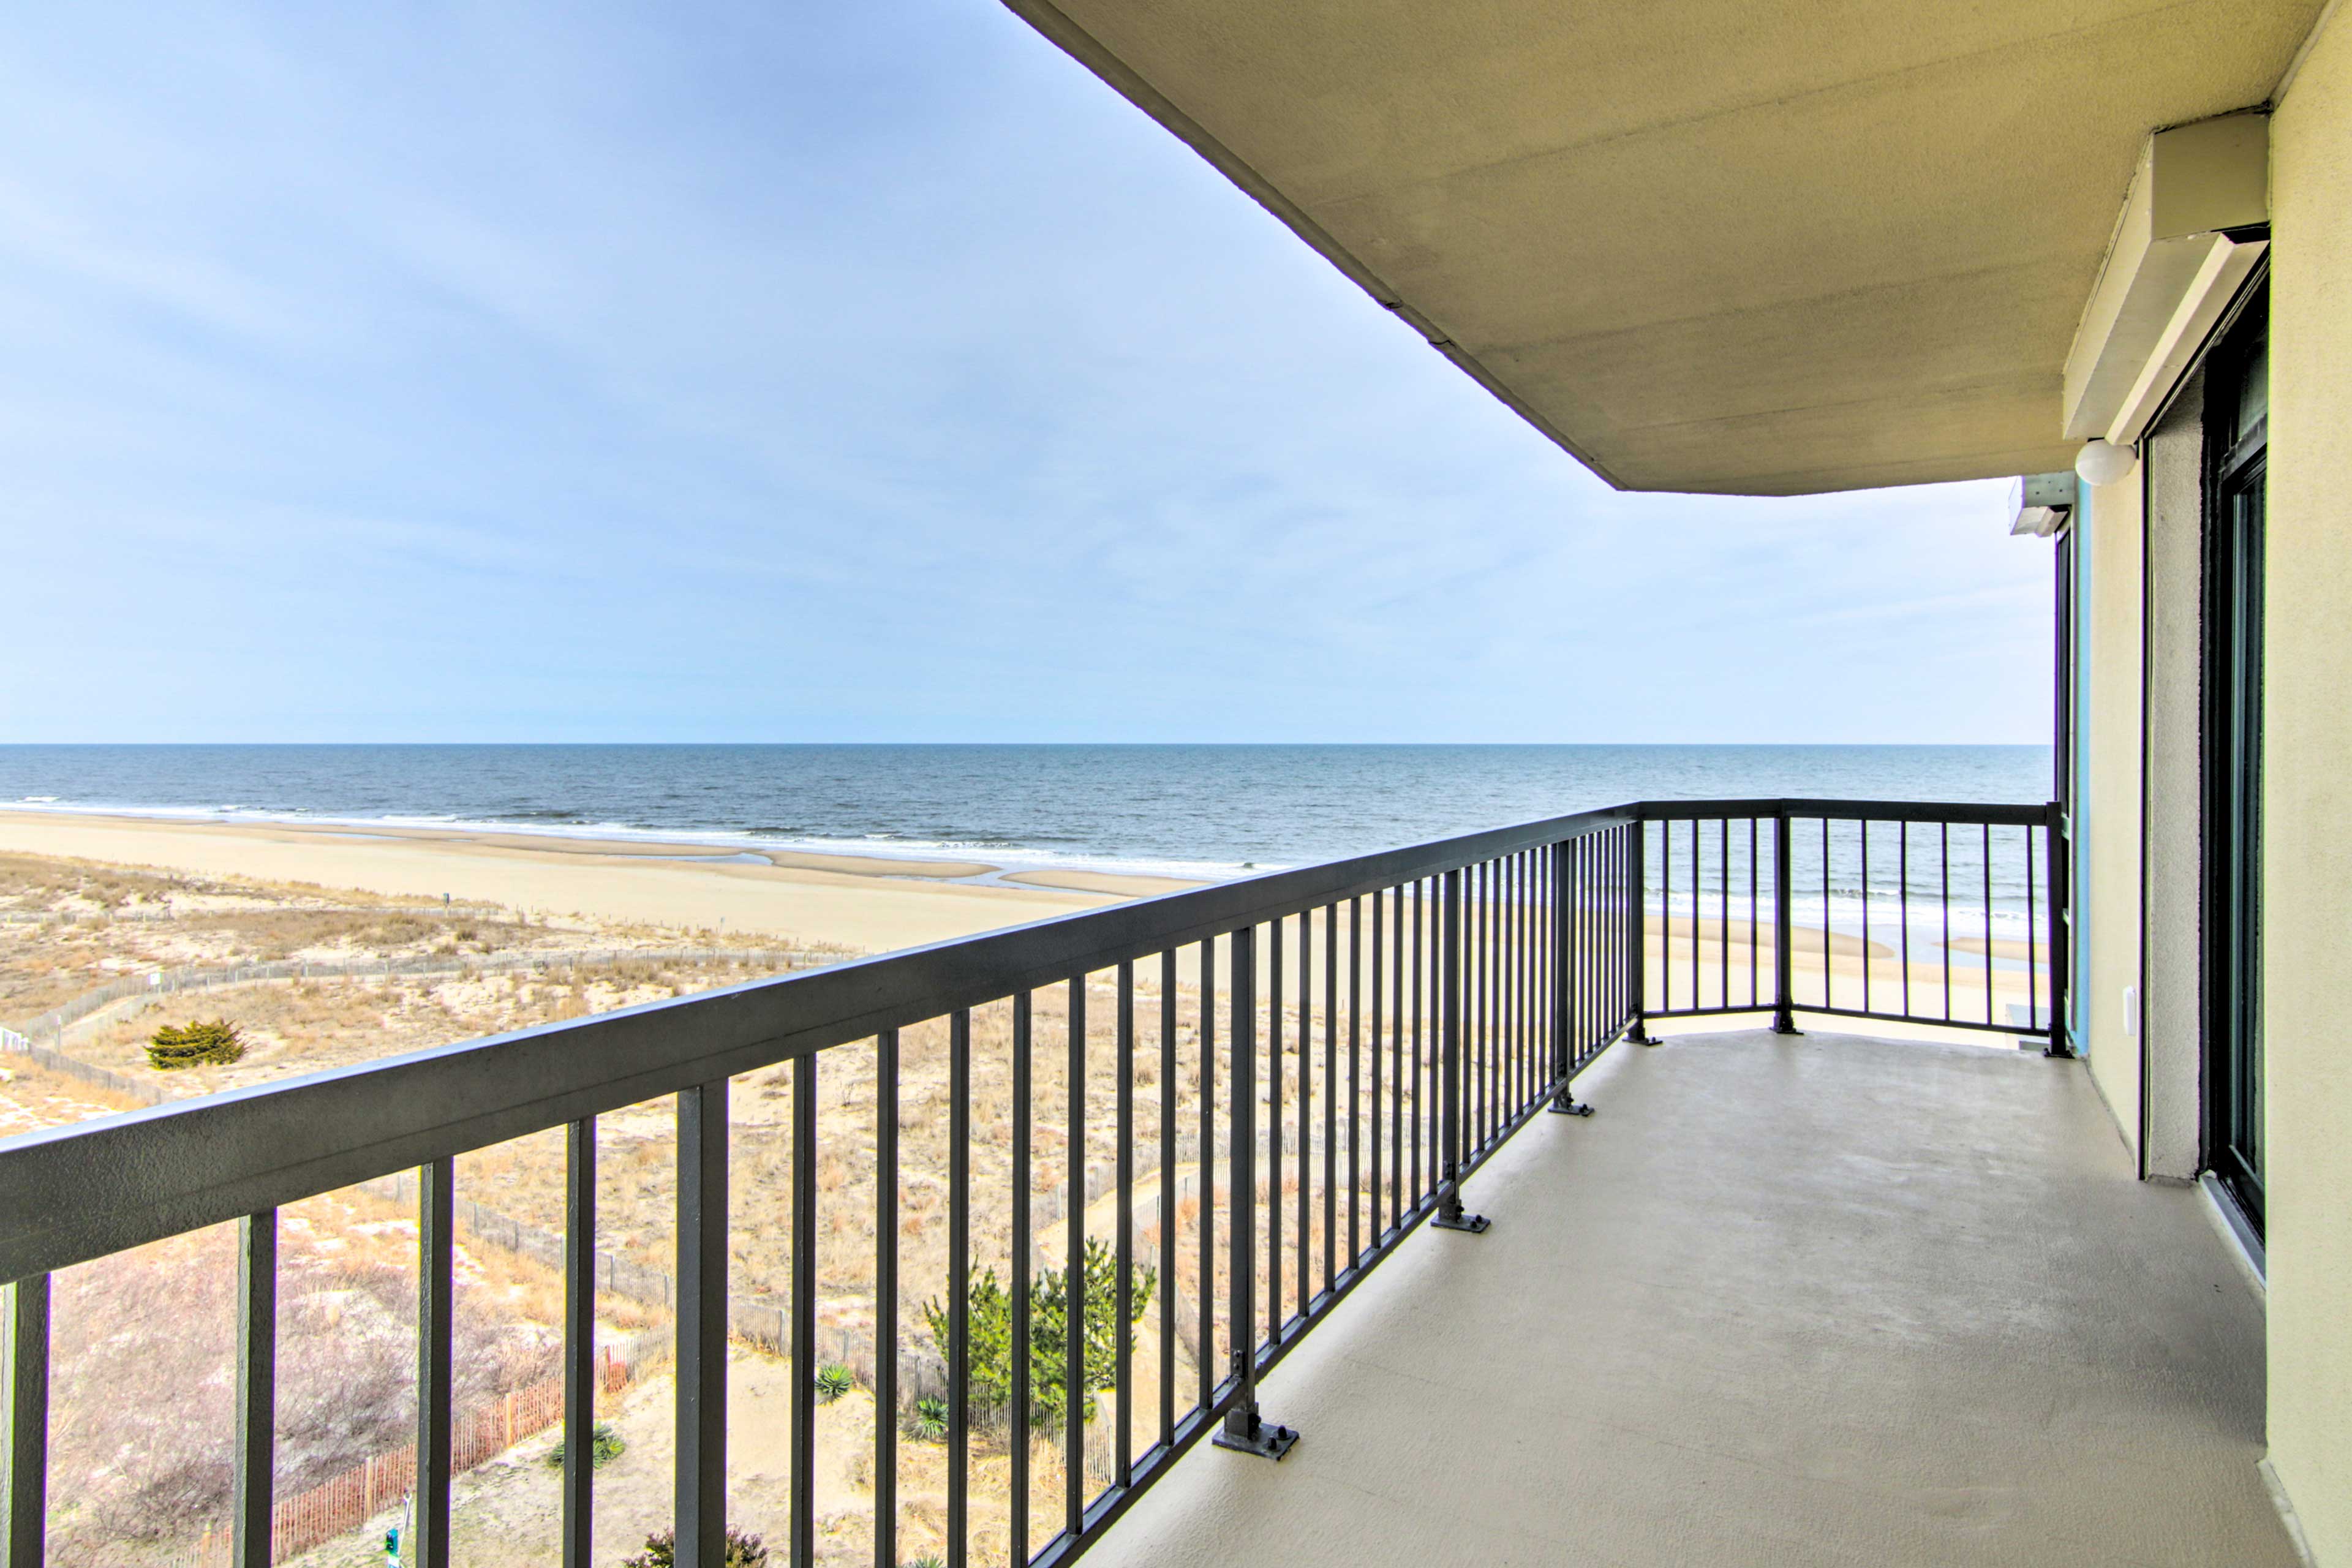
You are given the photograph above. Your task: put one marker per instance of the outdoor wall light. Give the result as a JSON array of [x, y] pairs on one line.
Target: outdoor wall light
[[2103, 462]]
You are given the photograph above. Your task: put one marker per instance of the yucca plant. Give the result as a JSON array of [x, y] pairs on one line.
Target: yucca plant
[[929, 1419], [833, 1380]]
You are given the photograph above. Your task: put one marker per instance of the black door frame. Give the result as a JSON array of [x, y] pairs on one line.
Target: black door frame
[[2236, 466]]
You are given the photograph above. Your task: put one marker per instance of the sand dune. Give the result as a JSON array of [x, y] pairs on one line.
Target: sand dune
[[873, 903]]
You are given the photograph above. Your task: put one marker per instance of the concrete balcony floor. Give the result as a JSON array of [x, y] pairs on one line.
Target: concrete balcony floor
[[1829, 1300]]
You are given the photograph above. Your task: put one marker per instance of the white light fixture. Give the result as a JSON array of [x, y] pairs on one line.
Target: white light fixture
[[2102, 462]]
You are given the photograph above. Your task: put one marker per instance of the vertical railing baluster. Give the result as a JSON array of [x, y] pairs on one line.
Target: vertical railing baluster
[[1512, 921], [1567, 979], [579, 1343], [1944, 856], [1665, 915], [1828, 947], [1864, 825], [1420, 1006], [1330, 1097], [2033, 960], [1755, 941], [803, 1305], [1987, 920], [1903, 908], [701, 1457], [1205, 1176], [959, 1347], [1018, 1532], [1452, 1069], [1484, 909], [1123, 1374], [1304, 1258], [1244, 1428], [886, 1300], [1395, 1165], [1698, 906], [1073, 1272], [2062, 931], [253, 1501], [24, 1528], [1273, 1313], [1167, 1200], [1534, 1043], [1355, 1077], [1632, 893], [1582, 975], [1378, 996], [435, 1325]]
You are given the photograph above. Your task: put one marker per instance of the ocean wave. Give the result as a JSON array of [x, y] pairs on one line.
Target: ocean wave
[[1003, 855]]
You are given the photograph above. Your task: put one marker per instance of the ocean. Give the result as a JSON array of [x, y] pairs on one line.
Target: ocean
[[1205, 811]]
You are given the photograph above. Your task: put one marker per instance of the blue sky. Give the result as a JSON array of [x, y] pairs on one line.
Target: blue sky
[[822, 373]]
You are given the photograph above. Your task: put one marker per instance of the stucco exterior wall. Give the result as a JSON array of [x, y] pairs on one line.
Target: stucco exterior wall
[[2107, 798], [2307, 797], [2171, 1027]]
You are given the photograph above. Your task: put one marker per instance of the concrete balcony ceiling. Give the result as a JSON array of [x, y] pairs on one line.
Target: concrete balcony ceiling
[[1718, 246], [1831, 1301]]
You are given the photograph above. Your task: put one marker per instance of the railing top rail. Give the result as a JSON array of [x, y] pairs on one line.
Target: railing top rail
[[1971, 813], [72, 1194]]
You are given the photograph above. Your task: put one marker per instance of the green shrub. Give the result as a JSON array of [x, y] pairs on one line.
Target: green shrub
[[744, 1551], [605, 1446], [989, 1332], [925, 1562], [205, 1043], [833, 1380], [929, 1419]]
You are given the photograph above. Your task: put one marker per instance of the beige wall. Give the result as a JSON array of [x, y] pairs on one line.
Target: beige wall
[[2171, 1024], [2108, 795], [2307, 797]]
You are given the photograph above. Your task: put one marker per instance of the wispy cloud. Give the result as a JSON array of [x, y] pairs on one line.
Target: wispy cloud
[[727, 371]]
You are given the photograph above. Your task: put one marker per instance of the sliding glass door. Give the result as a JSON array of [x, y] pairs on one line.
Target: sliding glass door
[[2237, 440]]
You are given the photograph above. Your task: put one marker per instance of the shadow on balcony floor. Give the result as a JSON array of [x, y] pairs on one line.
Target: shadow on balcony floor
[[1825, 1301]]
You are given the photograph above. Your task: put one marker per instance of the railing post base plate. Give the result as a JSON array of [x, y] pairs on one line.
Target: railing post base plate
[[1257, 1438], [1566, 1104], [1476, 1223], [1787, 1026]]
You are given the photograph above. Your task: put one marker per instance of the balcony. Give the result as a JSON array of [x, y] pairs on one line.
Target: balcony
[[1813, 1297], [1831, 1299]]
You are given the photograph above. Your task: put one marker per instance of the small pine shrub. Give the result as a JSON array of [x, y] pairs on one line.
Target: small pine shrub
[[833, 1380], [203, 1043], [988, 1331], [744, 1551], [929, 1419], [605, 1446]]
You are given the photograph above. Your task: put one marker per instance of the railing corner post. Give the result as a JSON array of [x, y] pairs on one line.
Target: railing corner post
[[1784, 1005], [2062, 931]]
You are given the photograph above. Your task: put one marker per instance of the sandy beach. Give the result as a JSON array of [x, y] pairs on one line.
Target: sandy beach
[[869, 902]]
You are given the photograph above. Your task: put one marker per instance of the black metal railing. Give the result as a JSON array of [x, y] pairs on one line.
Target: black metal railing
[[1928, 914], [1349, 1041]]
